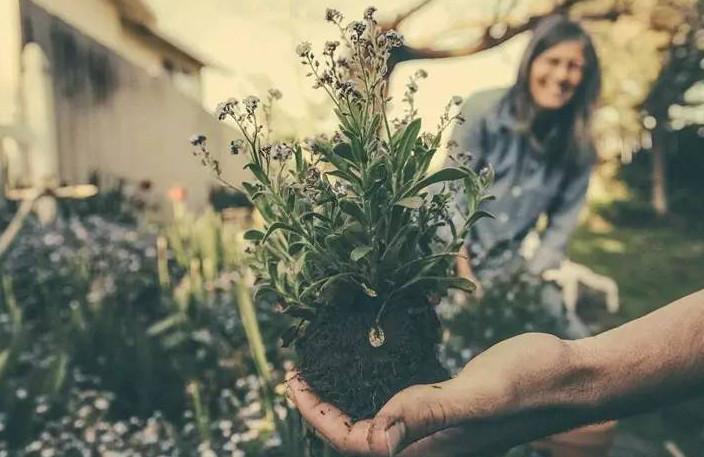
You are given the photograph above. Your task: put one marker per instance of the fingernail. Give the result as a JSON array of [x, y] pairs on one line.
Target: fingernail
[[394, 435]]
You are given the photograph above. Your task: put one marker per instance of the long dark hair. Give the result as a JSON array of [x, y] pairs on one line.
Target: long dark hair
[[575, 117]]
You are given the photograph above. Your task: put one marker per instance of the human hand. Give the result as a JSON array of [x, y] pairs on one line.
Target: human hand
[[464, 270], [480, 410]]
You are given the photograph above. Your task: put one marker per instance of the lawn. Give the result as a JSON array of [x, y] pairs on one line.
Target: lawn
[[653, 262]]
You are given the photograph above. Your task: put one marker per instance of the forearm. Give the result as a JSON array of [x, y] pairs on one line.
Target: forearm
[[646, 363], [638, 366]]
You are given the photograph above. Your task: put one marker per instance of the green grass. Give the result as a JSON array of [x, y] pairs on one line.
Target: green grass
[[653, 264]]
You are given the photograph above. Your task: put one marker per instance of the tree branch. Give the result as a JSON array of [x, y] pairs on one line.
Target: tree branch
[[403, 16], [489, 40], [680, 71]]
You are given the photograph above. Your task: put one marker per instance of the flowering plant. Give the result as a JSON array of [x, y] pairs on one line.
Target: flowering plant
[[352, 230]]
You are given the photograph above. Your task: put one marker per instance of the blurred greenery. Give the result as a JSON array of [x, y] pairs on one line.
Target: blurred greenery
[[114, 332], [653, 263], [117, 337]]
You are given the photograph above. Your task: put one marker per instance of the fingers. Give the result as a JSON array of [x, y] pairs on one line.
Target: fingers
[[414, 415], [327, 419], [472, 438], [445, 443], [419, 411], [334, 426]]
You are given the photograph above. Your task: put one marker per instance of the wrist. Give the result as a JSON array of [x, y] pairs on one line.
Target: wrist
[[531, 372], [583, 384], [562, 375], [539, 385]]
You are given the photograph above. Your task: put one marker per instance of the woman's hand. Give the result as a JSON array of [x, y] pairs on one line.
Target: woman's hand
[[477, 411], [464, 270]]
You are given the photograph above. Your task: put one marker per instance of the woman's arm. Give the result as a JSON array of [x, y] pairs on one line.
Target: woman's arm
[[464, 270], [469, 138], [563, 216]]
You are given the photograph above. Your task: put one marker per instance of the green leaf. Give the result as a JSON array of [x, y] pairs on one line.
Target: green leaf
[[424, 261], [323, 283], [290, 335], [354, 230], [299, 311], [353, 209], [458, 283], [409, 168], [446, 174], [258, 172], [407, 140], [261, 289], [344, 120], [344, 150], [359, 252], [337, 161], [451, 282], [298, 154], [278, 226], [295, 248], [411, 202], [374, 125], [290, 201], [166, 323], [253, 235], [487, 178], [314, 215], [476, 216], [358, 152], [250, 188], [272, 270], [347, 176], [4, 356]]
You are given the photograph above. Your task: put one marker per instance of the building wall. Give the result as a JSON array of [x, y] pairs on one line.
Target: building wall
[[100, 19], [114, 118], [10, 46]]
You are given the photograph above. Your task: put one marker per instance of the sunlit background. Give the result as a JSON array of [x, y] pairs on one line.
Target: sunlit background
[[112, 323]]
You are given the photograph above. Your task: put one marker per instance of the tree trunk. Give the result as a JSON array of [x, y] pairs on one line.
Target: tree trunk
[[659, 186]]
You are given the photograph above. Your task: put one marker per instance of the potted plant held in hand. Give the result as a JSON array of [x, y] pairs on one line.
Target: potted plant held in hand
[[351, 245]]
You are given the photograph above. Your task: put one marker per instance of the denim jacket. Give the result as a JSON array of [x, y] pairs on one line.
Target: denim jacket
[[524, 187]]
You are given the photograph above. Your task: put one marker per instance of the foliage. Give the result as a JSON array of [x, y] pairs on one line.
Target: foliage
[[653, 262], [351, 217], [511, 305], [117, 200], [112, 340], [684, 166]]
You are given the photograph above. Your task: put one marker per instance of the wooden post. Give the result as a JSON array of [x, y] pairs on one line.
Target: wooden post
[[40, 117], [659, 172]]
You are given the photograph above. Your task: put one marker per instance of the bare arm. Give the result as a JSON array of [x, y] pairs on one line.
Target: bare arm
[[646, 363], [531, 386]]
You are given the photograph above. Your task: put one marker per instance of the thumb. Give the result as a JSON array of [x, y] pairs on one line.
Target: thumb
[[418, 411]]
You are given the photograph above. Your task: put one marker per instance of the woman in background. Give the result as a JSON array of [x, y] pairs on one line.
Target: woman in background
[[536, 137]]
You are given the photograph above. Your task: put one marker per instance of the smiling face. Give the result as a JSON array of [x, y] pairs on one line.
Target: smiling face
[[556, 73]]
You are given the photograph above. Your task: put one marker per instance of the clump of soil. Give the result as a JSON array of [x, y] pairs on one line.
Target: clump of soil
[[338, 362]]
